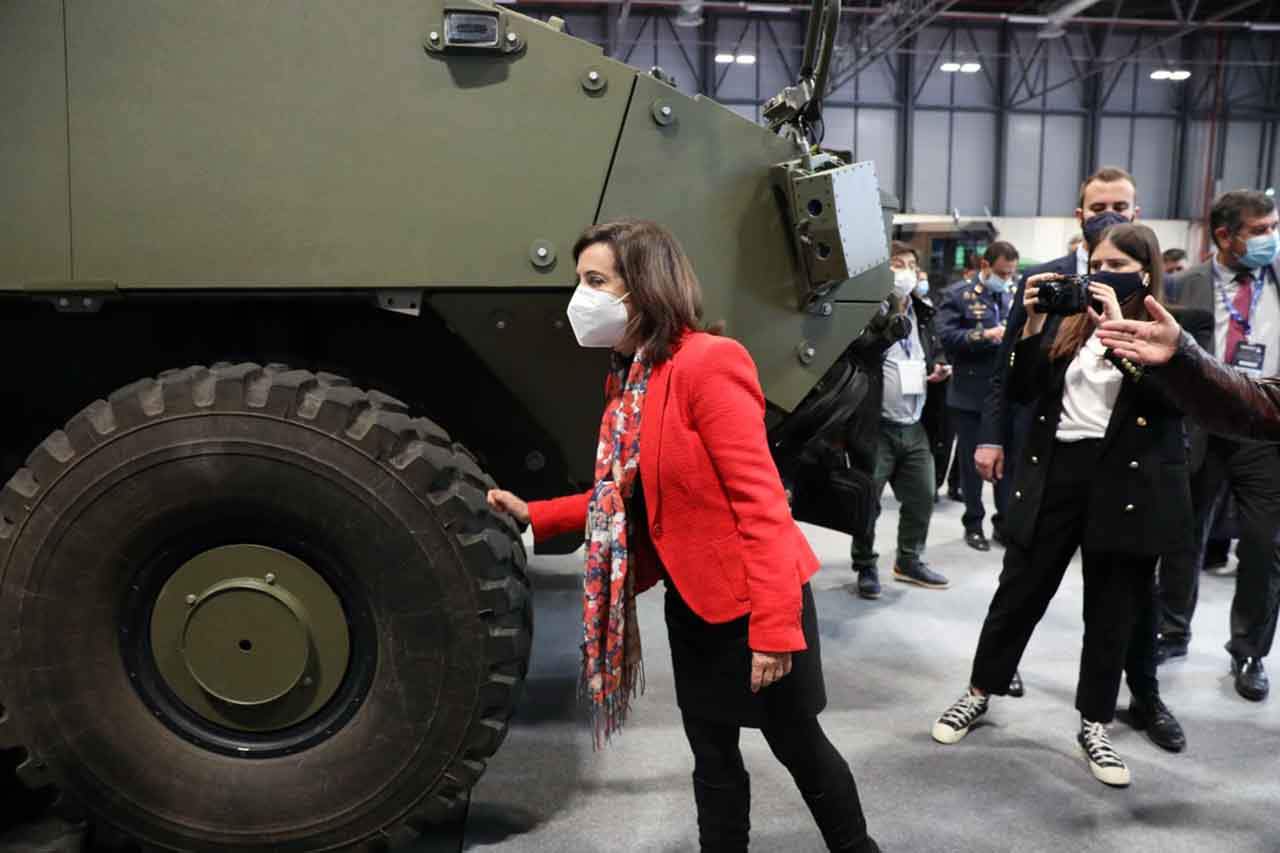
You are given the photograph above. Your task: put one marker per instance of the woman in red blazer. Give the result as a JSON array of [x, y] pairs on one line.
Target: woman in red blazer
[[686, 492]]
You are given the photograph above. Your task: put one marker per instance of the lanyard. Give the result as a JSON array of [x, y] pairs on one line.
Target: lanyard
[[905, 343], [1246, 326]]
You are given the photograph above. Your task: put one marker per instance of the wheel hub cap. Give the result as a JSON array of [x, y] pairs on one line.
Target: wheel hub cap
[[250, 637]]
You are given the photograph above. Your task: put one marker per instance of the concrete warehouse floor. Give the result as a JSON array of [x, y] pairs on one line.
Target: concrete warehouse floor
[[1017, 784]]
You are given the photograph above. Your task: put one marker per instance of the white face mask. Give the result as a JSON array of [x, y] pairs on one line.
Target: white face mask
[[904, 281], [598, 319]]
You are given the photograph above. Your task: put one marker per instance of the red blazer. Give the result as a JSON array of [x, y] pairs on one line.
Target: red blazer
[[718, 515]]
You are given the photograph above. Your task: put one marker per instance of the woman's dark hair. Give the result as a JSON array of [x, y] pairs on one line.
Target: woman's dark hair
[[1138, 242], [664, 292]]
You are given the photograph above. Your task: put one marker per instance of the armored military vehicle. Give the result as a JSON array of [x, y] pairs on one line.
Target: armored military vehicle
[[251, 597]]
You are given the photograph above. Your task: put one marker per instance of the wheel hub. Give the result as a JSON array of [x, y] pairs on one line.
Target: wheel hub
[[250, 637]]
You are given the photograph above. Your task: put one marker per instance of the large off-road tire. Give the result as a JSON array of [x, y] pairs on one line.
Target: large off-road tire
[[380, 508]]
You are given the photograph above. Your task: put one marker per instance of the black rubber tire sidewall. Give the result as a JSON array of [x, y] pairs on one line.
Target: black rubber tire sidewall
[[396, 541]]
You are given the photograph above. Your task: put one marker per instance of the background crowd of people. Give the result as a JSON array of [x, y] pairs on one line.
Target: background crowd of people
[[1082, 456]]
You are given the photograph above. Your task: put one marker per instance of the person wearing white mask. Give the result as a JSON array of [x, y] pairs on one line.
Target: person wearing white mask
[[1239, 287], [686, 493], [971, 323], [897, 355]]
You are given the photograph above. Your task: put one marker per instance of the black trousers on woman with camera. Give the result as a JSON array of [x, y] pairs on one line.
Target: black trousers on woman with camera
[[1118, 588]]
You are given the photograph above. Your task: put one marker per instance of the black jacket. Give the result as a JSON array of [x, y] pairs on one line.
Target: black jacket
[[1140, 497], [867, 354], [996, 415], [1218, 396], [967, 309]]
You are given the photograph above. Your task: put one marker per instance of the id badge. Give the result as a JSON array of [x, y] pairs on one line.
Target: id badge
[[912, 375], [1249, 358]]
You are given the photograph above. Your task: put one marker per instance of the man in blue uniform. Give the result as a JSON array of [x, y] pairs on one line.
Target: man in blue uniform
[[971, 323]]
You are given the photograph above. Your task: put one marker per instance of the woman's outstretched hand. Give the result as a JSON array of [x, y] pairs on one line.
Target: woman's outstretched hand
[[501, 500], [767, 668], [1153, 342]]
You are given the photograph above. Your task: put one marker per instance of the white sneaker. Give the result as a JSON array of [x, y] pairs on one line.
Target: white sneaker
[[1105, 764], [956, 720]]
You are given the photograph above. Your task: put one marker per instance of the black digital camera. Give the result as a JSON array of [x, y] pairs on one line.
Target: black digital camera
[[1065, 296]]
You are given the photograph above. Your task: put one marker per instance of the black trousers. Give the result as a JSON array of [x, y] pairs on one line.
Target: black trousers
[[1251, 473], [1119, 597], [967, 425], [722, 785]]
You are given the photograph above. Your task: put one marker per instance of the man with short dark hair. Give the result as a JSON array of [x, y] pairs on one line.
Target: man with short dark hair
[[899, 369], [971, 325], [1239, 285], [1107, 197], [1175, 261]]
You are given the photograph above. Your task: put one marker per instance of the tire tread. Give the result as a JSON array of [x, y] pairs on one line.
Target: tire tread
[[440, 471]]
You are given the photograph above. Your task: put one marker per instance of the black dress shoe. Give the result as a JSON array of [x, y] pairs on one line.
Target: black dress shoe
[[868, 582], [1251, 679], [955, 495], [1170, 647], [998, 537], [975, 540], [1154, 717], [1016, 690]]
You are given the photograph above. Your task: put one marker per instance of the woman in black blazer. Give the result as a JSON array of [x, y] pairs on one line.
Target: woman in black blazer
[[1104, 469]]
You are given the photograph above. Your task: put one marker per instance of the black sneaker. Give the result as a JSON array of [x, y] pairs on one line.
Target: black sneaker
[[868, 582], [956, 720], [919, 573], [1104, 763], [1016, 690], [975, 540], [1154, 717]]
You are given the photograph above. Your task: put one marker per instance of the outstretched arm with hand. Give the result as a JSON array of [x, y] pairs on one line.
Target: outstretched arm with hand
[[1220, 398]]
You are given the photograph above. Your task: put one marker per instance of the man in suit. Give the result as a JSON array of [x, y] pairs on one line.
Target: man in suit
[[971, 325], [1239, 284], [1107, 197]]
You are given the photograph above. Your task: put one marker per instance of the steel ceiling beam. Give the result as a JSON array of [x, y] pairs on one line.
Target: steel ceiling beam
[[1189, 28], [892, 28]]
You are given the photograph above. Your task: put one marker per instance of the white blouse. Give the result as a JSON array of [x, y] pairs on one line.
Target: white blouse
[[1092, 386]]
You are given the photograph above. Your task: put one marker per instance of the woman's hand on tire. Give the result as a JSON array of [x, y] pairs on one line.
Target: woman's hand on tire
[[500, 500], [767, 668]]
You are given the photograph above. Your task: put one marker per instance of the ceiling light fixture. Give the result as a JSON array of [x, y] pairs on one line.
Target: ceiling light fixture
[[1181, 74], [970, 68], [950, 67], [724, 58], [1161, 74], [745, 59]]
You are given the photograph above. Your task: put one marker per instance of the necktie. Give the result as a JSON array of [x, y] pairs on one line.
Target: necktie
[[1242, 302]]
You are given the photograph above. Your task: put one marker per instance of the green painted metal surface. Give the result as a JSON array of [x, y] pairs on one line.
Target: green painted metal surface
[[316, 144], [250, 637], [35, 230]]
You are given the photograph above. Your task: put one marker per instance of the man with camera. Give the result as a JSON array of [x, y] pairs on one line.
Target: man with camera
[[1107, 197], [971, 325], [897, 354], [1239, 286]]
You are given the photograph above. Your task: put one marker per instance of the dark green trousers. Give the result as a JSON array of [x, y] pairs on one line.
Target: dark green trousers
[[904, 460]]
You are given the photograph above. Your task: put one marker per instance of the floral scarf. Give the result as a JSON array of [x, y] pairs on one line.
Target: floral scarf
[[611, 667]]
